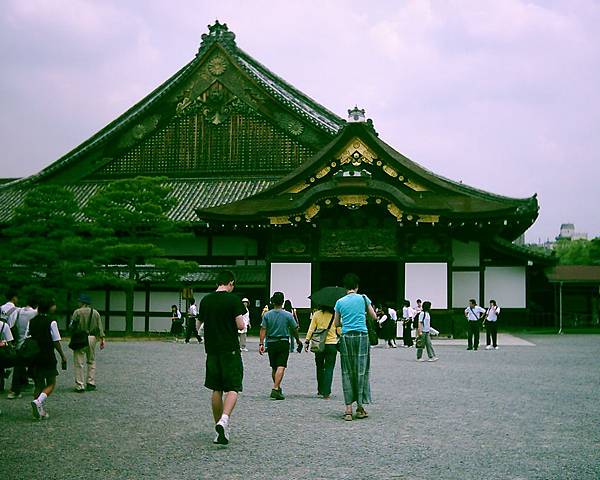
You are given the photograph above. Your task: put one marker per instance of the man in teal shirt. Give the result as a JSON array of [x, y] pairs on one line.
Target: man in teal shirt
[[275, 327]]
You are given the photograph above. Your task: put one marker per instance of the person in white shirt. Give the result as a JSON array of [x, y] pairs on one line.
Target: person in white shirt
[[242, 333], [491, 326], [191, 327], [474, 314], [5, 338], [19, 322], [424, 331], [6, 311], [408, 315]]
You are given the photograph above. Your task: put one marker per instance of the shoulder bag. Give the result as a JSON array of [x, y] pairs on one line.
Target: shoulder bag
[[8, 353], [79, 337], [420, 340], [371, 328], [318, 338]]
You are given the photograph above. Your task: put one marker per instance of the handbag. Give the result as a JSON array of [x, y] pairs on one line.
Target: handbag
[[420, 341], [8, 353], [79, 337], [318, 338], [371, 328]]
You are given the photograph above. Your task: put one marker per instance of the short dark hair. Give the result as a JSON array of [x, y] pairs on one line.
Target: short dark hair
[[224, 277], [494, 302], [277, 298], [426, 306], [11, 293], [351, 281], [45, 304], [407, 303], [192, 301], [418, 300], [287, 305], [472, 300], [173, 306]]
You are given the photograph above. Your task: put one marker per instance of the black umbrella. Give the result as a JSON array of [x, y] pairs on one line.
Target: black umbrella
[[327, 296]]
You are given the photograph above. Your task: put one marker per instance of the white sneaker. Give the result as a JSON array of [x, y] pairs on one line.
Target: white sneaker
[[12, 395], [222, 429], [433, 359], [489, 347], [420, 359], [496, 348], [244, 349], [37, 409]]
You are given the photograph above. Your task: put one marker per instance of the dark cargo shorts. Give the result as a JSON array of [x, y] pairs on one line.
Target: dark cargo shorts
[[224, 371]]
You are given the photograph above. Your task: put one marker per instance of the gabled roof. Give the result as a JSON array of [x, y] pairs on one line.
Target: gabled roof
[[219, 37], [358, 163]]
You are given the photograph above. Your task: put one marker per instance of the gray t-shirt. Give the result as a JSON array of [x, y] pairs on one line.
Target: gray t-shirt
[[21, 317], [278, 323]]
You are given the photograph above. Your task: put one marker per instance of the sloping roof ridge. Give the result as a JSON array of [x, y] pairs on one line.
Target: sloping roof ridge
[[123, 119], [523, 249], [334, 122], [452, 183]]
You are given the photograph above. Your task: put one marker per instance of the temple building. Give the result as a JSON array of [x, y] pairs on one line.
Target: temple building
[[290, 196]]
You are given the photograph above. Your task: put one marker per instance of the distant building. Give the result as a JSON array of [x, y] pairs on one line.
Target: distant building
[[567, 232]]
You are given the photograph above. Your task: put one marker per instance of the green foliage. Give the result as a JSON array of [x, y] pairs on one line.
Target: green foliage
[[578, 252], [44, 249], [126, 218]]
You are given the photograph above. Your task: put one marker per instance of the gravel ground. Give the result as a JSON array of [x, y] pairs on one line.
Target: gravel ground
[[516, 413]]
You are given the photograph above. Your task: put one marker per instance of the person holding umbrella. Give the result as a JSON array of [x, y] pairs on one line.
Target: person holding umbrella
[[350, 314]]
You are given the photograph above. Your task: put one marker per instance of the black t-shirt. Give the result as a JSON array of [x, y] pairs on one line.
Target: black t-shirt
[[217, 312]]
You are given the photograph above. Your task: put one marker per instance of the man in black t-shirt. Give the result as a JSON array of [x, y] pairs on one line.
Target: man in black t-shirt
[[221, 313]]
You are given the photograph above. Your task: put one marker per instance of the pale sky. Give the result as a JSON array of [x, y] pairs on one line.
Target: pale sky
[[501, 94]]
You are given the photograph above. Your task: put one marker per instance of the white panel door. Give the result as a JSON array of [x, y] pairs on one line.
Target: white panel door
[[294, 280], [506, 285], [427, 281]]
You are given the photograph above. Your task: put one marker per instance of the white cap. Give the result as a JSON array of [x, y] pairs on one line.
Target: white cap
[[245, 300]]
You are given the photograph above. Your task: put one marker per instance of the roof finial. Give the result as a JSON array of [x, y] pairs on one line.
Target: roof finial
[[218, 32], [356, 115]]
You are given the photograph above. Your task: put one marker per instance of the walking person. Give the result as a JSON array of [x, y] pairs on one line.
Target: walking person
[[19, 323], [190, 324], [6, 337], [45, 332], [355, 352], [473, 313], [287, 306], [87, 319], [275, 328], [424, 334], [322, 319], [176, 321], [221, 314], [392, 324], [244, 332], [407, 322], [491, 326], [6, 310]]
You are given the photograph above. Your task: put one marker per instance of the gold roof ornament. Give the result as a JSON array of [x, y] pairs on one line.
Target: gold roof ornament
[[415, 186], [395, 211], [355, 153], [281, 220], [311, 212], [428, 218], [353, 201]]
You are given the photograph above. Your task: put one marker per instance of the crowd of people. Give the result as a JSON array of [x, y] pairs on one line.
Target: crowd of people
[[343, 326], [34, 323]]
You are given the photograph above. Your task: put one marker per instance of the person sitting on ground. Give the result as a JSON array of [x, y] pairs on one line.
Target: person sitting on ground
[[275, 328], [45, 332]]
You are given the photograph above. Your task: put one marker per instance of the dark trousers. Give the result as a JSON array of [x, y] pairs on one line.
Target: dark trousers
[[19, 379], [491, 333], [325, 362], [406, 334], [473, 334], [190, 329]]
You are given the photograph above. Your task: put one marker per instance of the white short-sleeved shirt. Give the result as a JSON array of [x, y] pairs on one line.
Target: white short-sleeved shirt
[[5, 333], [393, 314], [425, 320], [492, 313], [54, 333], [474, 313], [408, 312], [193, 311]]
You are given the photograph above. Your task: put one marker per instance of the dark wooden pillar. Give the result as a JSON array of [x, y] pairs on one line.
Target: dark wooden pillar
[[147, 309]]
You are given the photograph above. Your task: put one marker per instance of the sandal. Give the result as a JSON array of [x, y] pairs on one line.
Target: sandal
[[348, 417], [361, 414]]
